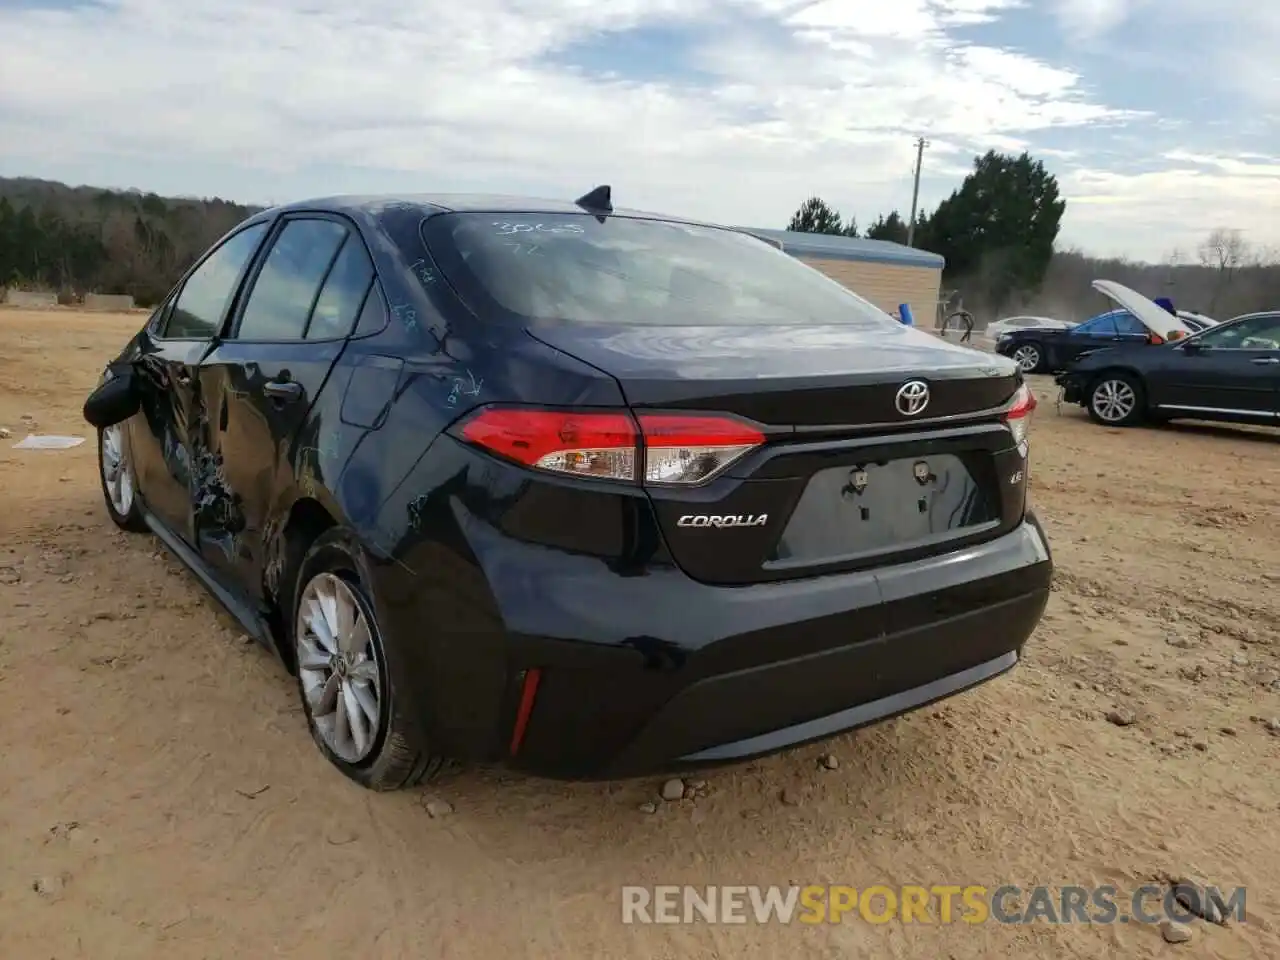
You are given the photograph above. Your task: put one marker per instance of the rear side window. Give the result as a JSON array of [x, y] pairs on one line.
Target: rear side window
[[201, 305], [286, 286], [632, 271], [1103, 326], [373, 315], [1127, 323], [343, 292]]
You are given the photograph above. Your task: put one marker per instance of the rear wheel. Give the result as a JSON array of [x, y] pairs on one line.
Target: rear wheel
[[1116, 400], [1029, 358], [119, 486], [347, 693]]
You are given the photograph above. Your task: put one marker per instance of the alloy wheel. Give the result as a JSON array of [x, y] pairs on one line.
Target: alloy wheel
[[1027, 358], [117, 473], [339, 665], [1114, 400]]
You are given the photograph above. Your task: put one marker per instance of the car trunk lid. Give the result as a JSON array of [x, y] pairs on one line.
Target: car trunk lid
[[853, 472]]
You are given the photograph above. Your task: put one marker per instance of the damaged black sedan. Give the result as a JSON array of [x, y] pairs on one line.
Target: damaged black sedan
[[588, 492]]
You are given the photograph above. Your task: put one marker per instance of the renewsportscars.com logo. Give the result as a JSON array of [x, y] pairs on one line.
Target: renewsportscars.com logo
[[939, 903]]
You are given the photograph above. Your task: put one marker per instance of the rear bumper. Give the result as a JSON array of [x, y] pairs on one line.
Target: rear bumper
[[657, 672]]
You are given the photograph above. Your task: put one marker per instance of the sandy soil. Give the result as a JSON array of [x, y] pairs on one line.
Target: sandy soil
[[160, 790]]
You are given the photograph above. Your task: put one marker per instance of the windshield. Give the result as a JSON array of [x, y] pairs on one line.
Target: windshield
[[632, 271]]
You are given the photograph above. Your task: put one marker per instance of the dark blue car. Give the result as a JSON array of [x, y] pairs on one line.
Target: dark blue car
[[585, 491]]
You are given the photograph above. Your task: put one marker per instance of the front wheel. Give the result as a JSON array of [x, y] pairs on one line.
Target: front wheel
[[119, 482], [1029, 358], [1115, 400], [347, 690]]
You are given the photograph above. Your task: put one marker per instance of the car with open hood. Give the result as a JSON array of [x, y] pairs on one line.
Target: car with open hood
[[1136, 320], [1228, 372], [586, 491]]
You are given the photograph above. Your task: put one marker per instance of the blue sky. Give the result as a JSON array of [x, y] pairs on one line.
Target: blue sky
[[1161, 120]]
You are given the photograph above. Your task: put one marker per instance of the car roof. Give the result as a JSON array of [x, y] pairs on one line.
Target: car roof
[[431, 203]]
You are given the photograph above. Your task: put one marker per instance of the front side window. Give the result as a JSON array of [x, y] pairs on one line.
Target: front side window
[[201, 305], [1255, 333], [572, 267], [286, 287]]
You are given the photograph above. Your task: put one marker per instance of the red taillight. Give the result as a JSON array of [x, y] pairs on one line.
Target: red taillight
[[673, 448], [582, 444], [1019, 415]]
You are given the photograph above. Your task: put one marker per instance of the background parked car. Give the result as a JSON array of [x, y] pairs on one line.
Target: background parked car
[[1042, 349], [1229, 371], [999, 328], [1136, 320]]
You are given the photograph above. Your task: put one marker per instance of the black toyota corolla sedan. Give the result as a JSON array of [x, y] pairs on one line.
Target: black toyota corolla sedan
[[590, 492]]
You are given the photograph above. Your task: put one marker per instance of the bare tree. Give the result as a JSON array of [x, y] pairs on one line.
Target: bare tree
[[1224, 251], [1172, 262]]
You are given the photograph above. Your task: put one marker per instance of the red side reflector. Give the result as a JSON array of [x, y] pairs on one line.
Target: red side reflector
[[528, 693]]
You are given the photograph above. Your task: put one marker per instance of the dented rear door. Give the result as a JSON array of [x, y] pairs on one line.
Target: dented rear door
[[260, 384]]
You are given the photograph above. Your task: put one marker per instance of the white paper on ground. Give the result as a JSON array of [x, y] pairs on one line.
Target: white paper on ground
[[33, 442]]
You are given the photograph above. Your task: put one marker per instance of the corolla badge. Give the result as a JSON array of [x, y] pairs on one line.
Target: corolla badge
[[717, 520], [912, 398]]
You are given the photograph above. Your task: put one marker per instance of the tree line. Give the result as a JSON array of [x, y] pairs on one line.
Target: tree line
[[78, 240], [998, 230]]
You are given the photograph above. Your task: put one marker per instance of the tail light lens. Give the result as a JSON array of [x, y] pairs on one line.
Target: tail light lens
[[601, 445], [679, 449], [657, 449], [1019, 416]]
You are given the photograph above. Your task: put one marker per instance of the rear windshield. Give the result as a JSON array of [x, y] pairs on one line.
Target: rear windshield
[[634, 271]]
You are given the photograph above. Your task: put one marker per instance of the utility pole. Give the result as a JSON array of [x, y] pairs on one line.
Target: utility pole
[[921, 143]]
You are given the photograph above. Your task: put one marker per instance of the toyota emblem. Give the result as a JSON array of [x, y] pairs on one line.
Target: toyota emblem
[[912, 398]]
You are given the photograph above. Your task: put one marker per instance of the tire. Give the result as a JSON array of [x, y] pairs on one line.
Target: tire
[[117, 478], [388, 756], [1116, 399], [1029, 357]]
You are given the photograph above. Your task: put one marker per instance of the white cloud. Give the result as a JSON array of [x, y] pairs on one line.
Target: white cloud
[[806, 97], [1085, 19], [1179, 205]]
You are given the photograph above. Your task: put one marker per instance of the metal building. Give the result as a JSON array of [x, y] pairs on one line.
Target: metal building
[[885, 273]]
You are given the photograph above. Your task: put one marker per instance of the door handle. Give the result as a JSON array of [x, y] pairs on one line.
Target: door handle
[[282, 391], [1267, 361]]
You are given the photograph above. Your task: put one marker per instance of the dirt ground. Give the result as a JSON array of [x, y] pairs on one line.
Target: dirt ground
[[160, 796]]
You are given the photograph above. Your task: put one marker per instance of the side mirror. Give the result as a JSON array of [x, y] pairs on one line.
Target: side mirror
[[116, 398], [1191, 346]]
